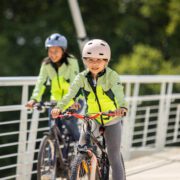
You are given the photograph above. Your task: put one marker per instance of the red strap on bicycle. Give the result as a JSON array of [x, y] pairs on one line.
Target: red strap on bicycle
[[80, 116], [95, 116]]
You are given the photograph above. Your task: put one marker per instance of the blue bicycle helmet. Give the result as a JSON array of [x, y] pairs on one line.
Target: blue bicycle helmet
[[56, 40]]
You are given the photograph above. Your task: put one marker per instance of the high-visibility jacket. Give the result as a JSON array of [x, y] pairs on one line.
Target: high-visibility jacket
[[106, 94], [60, 79]]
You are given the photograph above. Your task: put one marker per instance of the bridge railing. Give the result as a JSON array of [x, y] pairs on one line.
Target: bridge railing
[[153, 122]]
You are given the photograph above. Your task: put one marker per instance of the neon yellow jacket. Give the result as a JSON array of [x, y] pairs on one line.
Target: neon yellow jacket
[[60, 79], [106, 95]]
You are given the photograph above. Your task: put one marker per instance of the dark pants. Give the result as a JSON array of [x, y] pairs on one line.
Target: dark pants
[[72, 126], [71, 123]]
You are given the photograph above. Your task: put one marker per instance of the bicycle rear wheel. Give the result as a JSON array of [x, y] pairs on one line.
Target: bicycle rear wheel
[[81, 168], [46, 165]]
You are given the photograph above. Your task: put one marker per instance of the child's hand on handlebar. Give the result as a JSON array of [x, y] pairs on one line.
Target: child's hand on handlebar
[[75, 106], [121, 112], [55, 112]]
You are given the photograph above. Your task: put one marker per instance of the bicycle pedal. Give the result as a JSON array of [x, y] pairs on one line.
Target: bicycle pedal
[[82, 149]]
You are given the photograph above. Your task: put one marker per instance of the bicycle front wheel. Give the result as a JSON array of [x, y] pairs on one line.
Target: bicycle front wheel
[[46, 165], [82, 168]]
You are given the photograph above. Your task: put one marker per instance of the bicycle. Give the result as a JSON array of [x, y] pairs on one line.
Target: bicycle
[[56, 150], [92, 162]]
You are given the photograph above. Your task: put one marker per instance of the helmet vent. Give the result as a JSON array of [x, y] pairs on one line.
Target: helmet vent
[[88, 52], [103, 44], [57, 37], [90, 43], [56, 40], [101, 54]]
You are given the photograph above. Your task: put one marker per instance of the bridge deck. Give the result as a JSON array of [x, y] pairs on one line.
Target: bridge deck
[[164, 165]]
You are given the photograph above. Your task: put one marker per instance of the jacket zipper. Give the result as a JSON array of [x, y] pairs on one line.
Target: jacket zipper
[[95, 93]]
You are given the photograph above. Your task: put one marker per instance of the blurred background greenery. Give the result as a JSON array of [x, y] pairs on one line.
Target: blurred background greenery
[[143, 34]]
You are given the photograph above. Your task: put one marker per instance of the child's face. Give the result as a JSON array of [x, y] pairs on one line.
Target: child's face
[[55, 53], [95, 65]]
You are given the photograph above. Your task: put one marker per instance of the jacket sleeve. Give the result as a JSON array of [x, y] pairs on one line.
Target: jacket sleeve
[[118, 90], [73, 90], [40, 84]]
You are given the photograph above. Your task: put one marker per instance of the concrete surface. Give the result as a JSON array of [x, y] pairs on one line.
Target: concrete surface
[[164, 165]]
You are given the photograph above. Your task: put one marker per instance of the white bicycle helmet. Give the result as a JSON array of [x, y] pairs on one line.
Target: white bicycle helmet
[[56, 40], [96, 48]]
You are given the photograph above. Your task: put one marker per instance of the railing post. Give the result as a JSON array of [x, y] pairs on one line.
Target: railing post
[[22, 136], [175, 136], [31, 144], [167, 109], [164, 107], [159, 143]]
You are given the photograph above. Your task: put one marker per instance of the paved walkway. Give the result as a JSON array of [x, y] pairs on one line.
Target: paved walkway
[[160, 166]]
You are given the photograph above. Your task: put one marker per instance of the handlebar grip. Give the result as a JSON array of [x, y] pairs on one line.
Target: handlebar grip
[[38, 106], [71, 110]]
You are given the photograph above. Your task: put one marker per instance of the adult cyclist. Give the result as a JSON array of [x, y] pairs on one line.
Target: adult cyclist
[[60, 68]]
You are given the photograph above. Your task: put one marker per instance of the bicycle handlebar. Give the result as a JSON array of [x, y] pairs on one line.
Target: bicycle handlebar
[[41, 106], [90, 117], [44, 105]]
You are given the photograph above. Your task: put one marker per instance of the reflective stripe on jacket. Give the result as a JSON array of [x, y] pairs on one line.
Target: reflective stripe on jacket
[[106, 95]]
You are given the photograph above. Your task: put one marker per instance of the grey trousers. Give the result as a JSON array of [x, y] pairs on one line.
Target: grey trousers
[[113, 143]]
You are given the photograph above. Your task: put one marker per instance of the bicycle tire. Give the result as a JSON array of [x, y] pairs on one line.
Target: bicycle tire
[[105, 167], [67, 153], [81, 168], [46, 165]]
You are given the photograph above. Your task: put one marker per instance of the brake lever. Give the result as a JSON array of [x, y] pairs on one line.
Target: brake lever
[[40, 107]]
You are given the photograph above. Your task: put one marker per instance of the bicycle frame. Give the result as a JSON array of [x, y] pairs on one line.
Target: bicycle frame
[[89, 137], [56, 135]]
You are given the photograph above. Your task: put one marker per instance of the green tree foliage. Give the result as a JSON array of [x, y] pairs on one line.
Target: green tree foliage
[[24, 28], [145, 60], [125, 24], [128, 23]]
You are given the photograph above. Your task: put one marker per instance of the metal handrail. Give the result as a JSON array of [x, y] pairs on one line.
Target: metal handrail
[[163, 111]]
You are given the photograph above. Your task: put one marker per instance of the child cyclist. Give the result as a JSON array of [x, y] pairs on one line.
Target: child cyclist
[[60, 68], [103, 92]]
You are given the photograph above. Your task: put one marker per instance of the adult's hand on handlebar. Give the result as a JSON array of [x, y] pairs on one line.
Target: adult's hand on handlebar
[[121, 112], [30, 104], [55, 112]]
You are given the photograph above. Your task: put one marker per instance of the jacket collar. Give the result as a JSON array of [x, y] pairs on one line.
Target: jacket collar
[[99, 74]]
